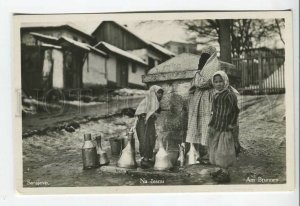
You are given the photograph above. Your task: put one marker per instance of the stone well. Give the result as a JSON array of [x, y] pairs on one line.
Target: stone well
[[174, 76]]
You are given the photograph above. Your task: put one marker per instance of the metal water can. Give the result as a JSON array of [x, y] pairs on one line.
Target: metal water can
[[89, 153], [116, 146], [127, 158], [102, 155]]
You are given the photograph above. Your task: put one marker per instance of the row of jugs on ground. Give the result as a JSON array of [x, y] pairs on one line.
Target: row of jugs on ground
[[94, 156], [127, 158]]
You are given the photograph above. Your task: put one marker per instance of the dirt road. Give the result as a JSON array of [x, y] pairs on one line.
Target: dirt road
[[54, 159]]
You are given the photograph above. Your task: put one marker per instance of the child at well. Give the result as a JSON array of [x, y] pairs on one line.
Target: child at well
[[221, 136]]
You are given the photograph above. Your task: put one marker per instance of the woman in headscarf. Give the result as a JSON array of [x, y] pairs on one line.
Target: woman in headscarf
[[145, 124], [224, 120], [201, 93]]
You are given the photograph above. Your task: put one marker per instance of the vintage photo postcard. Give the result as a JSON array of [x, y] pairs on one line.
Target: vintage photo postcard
[[153, 102]]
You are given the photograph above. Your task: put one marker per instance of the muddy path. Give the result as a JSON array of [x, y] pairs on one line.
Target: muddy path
[[54, 158]]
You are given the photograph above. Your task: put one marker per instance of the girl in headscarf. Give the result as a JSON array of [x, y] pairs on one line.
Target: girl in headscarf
[[201, 93], [224, 119], [145, 124]]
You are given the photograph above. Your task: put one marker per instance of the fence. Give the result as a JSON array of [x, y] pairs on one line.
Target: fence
[[261, 74]]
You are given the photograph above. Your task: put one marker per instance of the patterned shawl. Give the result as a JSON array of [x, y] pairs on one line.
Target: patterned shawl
[[201, 100]]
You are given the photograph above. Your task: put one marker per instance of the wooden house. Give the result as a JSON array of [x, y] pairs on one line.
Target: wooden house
[[121, 37], [124, 69], [60, 62], [64, 63], [56, 32]]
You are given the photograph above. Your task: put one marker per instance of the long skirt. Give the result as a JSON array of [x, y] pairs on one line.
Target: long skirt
[[146, 134], [198, 117], [221, 148]]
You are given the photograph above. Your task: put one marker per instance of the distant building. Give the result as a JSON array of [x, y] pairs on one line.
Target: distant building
[[120, 37], [63, 57], [55, 31], [51, 59], [181, 47], [124, 68]]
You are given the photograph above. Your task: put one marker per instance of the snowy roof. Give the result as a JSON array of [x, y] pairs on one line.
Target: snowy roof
[[69, 40], [120, 52], [51, 46], [182, 62], [43, 36], [177, 41], [153, 45], [97, 50], [75, 43], [81, 45], [54, 26], [188, 62], [63, 38], [166, 51]]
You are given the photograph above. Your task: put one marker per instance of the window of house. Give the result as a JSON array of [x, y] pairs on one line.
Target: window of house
[[133, 68], [181, 49], [151, 62]]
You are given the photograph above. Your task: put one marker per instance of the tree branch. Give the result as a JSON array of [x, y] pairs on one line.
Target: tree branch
[[279, 30]]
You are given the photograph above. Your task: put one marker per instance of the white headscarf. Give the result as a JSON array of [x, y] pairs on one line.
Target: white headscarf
[[211, 66], [226, 82], [150, 103]]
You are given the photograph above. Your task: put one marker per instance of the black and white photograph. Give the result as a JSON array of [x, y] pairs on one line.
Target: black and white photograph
[[140, 101]]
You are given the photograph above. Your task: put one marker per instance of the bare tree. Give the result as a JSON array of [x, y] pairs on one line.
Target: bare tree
[[245, 34], [279, 27], [224, 40]]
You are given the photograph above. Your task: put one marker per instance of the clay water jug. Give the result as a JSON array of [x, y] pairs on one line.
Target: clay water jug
[[89, 153], [102, 155], [192, 157], [162, 161], [127, 158], [181, 158]]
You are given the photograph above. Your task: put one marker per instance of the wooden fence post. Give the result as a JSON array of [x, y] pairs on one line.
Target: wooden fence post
[[260, 80]]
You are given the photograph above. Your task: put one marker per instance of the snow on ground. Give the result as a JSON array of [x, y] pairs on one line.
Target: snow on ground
[[130, 92], [55, 157], [262, 134]]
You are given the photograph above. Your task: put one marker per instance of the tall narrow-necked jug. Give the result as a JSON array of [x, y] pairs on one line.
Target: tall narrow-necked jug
[[162, 161], [127, 158], [181, 158], [192, 157]]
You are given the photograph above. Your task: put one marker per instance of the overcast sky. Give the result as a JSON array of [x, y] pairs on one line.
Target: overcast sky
[[156, 31]]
